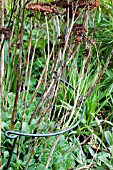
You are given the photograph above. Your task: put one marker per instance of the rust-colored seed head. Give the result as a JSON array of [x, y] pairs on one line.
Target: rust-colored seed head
[[92, 5], [43, 7], [78, 39]]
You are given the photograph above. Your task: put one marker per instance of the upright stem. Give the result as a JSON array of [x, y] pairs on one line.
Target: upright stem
[[1, 72], [19, 73], [2, 57]]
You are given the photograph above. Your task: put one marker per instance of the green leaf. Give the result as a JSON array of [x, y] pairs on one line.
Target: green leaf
[[41, 167], [6, 154], [5, 126], [103, 167], [104, 159], [25, 128], [109, 138], [112, 161]]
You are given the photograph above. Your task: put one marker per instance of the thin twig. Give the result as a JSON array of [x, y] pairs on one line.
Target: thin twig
[[99, 78]]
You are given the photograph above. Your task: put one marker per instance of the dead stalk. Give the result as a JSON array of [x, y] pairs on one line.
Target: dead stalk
[[2, 72], [99, 78], [19, 74], [52, 150]]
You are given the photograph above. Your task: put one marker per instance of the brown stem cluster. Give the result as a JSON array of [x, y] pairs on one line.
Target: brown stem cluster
[[78, 30], [52, 7], [43, 7]]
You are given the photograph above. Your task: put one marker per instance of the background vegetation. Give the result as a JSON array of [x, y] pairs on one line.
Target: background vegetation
[[32, 45]]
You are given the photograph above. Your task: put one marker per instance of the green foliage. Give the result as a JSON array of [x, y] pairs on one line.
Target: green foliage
[[104, 29], [90, 146]]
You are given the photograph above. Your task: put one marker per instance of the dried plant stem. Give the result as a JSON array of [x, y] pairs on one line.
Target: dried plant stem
[[45, 94], [52, 150], [25, 80], [99, 78], [2, 57], [27, 60], [30, 72], [1, 74], [32, 152], [48, 47], [19, 74], [78, 92], [42, 77]]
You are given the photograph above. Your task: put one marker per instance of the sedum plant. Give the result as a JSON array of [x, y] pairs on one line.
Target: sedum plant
[[45, 42]]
